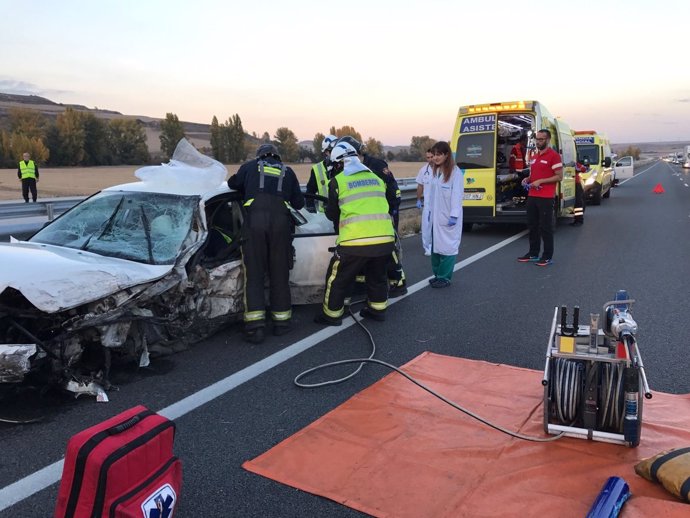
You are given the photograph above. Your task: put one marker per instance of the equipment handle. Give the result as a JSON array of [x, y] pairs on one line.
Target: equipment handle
[[616, 303], [552, 335], [645, 385], [124, 426]]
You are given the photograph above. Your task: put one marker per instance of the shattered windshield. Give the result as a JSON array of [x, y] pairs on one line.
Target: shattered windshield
[[139, 226]]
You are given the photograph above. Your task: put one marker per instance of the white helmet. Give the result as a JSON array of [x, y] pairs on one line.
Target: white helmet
[[327, 143], [341, 151]]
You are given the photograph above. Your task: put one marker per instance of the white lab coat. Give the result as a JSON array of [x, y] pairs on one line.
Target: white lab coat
[[445, 200], [423, 179]]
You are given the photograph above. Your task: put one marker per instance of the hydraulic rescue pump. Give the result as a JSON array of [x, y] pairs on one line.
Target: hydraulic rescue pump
[[594, 379]]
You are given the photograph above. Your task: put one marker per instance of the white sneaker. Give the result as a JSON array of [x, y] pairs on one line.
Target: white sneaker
[[427, 252]]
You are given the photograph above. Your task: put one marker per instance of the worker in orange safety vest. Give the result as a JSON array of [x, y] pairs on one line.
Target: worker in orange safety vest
[[518, 156]]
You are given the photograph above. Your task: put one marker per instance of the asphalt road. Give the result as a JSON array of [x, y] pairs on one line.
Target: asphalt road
[[497, 310]]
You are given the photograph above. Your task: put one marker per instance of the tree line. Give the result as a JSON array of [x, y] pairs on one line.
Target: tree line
[[73, 138], [632, 151], [78, 138], [229, 143]]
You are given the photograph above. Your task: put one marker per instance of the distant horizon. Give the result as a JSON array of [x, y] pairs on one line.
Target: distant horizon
[[105, 109]]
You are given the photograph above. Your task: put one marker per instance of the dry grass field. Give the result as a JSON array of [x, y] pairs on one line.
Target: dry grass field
[[82, 181]]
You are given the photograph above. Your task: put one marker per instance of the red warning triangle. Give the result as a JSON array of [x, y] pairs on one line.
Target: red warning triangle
[[658, 189]]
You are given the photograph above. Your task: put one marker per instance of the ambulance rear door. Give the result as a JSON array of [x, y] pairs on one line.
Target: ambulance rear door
[[568, 152], [475, 152]]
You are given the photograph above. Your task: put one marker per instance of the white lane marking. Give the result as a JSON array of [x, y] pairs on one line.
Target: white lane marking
[[640, 173], [24, 488], [31, 484]]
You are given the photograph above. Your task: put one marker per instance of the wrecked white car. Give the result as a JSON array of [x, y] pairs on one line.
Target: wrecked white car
[[134, 270]]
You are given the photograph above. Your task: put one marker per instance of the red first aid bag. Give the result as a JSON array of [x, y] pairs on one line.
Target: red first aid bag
[[121, 468]]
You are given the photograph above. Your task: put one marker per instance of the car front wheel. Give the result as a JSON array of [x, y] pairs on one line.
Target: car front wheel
[[596, 198]]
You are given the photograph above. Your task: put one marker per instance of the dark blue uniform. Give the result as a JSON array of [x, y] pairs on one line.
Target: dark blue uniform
[[267, 186], [396, 275]]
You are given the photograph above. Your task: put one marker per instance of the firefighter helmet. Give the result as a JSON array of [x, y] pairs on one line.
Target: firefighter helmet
[[265, 150], [328, 142], [342, 150], [356, 144]]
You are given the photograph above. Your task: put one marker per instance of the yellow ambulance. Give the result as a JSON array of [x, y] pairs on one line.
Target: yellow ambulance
[[594, 152], [482, 141]]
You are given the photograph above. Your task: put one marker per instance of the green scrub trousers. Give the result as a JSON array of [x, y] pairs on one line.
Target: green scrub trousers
[[442, 265]]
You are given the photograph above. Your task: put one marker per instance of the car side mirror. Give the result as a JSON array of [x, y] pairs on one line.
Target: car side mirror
[[607, 161]]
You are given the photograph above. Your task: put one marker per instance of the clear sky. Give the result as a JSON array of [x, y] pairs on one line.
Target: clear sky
[[392, 69]]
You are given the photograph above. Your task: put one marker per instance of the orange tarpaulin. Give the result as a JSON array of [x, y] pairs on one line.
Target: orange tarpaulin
[[394, 450]]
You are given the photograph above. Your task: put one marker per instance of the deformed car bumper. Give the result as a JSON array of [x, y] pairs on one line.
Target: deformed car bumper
[[15, 361], [592, 190]]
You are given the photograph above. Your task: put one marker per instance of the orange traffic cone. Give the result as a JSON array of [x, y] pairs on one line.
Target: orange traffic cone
[[658, 189]]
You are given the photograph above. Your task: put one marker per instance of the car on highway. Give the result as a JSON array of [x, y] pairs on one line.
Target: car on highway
[[137, 270], [623, 169]]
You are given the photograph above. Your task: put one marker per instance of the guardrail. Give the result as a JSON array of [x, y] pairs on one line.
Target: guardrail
[[47, 207], [53, 207], [23, 219]]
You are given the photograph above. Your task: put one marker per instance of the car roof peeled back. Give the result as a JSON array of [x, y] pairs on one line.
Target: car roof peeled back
[[188, 173]]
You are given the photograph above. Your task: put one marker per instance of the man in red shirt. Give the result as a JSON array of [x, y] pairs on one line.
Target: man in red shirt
[[546, 170]]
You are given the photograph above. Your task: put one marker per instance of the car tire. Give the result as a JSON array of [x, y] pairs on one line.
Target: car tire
[[596, 198]]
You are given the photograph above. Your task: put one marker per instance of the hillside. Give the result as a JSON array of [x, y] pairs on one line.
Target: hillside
[[199, 134], [653, 149]]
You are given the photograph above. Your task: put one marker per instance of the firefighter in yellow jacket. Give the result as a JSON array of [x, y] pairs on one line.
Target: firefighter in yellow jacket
[[27, 172], [320, 175], [358, 208]]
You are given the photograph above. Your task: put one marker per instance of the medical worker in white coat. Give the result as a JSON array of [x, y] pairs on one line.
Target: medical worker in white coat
[[445, 191]]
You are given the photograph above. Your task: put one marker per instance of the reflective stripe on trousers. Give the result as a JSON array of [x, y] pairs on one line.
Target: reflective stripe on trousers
[[281, 316], [338, 312], [378, 306]]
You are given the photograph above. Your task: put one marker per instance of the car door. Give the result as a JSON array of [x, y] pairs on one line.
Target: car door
[[623, 168], [314, 236], [568, 152]]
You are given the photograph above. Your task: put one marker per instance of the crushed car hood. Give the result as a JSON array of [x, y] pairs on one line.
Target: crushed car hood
[[56, 278]]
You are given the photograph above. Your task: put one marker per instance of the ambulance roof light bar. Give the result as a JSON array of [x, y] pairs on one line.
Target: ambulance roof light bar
[[497, 107]]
